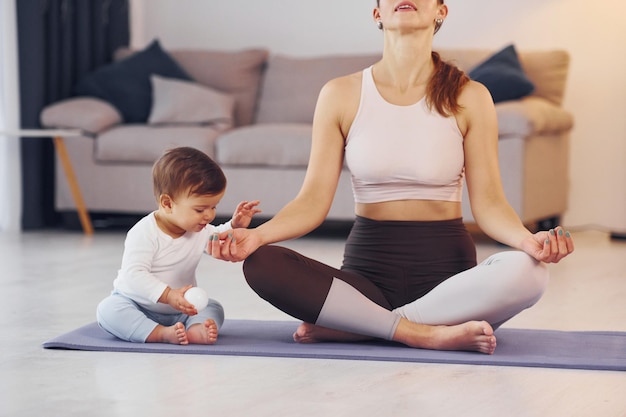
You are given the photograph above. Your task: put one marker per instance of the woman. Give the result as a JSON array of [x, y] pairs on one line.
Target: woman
[[410, 127]]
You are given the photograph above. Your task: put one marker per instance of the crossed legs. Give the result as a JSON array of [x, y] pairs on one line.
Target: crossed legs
[[337, 305], [125, 319]]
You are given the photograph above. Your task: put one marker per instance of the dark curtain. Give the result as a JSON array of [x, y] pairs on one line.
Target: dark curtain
[[59, 41]]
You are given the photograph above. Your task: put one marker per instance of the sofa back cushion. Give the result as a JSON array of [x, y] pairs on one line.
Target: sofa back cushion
[[143, 144], [237, 73], [291, 85], [265, 144], [546, 69]]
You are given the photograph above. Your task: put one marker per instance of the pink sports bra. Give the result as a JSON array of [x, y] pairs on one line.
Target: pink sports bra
[[402, 152]]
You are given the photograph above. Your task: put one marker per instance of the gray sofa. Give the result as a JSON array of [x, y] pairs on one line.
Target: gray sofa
[[263, 146]]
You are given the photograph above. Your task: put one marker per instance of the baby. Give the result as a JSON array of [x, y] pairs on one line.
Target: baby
[[162, 252]]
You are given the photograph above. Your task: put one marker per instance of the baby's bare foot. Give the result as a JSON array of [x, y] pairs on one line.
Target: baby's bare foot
[[174, 334], [203, 333], [312, 333], [474, 336]]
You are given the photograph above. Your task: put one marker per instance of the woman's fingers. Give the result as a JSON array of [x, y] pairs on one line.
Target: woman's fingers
[[560, 244]]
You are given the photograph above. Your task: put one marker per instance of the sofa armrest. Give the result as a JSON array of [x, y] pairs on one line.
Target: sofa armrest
[[532, 116], [91, 115]]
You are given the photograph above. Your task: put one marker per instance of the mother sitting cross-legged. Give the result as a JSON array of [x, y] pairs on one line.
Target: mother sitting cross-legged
[[410, 127]]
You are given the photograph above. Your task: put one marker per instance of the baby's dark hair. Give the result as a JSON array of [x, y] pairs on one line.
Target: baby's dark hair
[[189, 170]]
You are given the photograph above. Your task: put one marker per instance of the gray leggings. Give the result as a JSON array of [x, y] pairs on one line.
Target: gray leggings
[[127, 320], [425, 272]]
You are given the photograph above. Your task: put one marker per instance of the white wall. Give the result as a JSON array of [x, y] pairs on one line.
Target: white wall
[[593, 33], [10, 165]]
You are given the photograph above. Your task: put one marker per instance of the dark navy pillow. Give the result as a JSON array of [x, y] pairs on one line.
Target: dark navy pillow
[[503, 76], [126, 83]]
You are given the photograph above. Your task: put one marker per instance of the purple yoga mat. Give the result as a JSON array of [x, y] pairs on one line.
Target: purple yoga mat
[[516, 347]]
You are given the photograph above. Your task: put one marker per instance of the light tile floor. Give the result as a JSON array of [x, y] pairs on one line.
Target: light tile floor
[[51, 282]]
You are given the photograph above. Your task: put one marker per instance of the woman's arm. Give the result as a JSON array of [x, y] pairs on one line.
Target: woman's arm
[[493, 213], [311, 205]]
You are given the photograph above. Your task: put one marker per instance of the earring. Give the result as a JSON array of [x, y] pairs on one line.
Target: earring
[[379, 23], [438, 23]]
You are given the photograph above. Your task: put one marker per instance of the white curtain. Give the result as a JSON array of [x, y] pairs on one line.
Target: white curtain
[[10, 176]]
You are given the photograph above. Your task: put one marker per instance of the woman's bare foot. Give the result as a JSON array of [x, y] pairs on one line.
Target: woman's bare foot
[[203, 333], [474, 336], [312, 333], [174, 334]]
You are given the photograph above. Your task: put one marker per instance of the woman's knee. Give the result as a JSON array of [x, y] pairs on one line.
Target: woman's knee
[[533, 268], [529, 277], [260, 268], [539, 277]]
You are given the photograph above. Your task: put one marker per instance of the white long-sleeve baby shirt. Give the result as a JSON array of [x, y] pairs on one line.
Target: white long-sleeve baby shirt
[[153, 260]]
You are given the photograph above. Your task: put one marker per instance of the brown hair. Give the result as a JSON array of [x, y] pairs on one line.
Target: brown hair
[[445, 86], [186, 169]]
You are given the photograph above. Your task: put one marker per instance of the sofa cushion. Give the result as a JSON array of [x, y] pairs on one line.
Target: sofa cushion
[[503, 76], [126, 83], [184, 102], [291, 85], [277, 145], [145, 144], [91, 115], [532, 116]]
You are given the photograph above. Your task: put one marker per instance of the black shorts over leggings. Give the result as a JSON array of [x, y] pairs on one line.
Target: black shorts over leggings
[[407, 259], [391, 262]]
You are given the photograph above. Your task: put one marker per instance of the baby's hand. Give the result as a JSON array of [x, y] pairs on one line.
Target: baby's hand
[[175, 297], [244, 213]]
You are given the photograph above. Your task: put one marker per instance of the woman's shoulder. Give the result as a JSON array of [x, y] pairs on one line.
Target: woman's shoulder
[[473, 94], [475, 104], [338, 102], [343, 85], [339, 99]]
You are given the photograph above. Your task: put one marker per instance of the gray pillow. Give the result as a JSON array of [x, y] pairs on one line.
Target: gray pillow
[[176, 101]]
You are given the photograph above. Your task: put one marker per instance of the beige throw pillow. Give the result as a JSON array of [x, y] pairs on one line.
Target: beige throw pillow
[[176, 101], [89, 114]]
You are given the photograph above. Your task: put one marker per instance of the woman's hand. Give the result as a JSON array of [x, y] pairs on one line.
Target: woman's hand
[[234, 245], [549, 246]]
